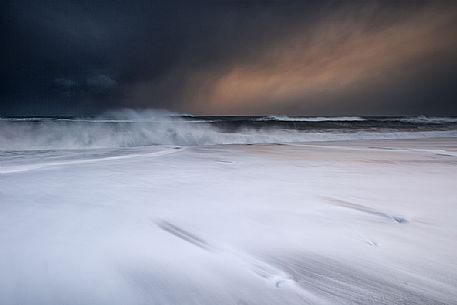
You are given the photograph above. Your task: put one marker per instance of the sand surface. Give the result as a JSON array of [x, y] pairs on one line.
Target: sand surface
[[351, 222]]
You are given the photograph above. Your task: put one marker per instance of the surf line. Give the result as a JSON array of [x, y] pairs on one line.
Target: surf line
[[31, 167]]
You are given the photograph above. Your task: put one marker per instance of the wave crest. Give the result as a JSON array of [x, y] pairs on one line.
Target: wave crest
[[312, 119]]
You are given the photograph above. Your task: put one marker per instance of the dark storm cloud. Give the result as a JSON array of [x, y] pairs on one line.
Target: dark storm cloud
[[295, 57]]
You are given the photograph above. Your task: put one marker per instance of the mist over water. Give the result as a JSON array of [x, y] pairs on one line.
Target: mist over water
[[129, 128]]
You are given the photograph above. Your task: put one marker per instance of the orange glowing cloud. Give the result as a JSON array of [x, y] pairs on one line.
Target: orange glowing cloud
[[339, 54]]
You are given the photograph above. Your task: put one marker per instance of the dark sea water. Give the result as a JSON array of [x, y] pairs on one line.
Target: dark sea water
[[234, 123]]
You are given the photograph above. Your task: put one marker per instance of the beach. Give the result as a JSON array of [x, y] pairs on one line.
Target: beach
[[335, 222]]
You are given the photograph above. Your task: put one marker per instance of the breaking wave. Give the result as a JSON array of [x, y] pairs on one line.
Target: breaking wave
[[146, 128], [312, 119], [428, 119]]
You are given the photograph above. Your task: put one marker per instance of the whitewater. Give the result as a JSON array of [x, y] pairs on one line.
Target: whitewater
[[160, 208]]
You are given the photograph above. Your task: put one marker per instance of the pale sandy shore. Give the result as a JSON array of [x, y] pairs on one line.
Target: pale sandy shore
[[350, 222]]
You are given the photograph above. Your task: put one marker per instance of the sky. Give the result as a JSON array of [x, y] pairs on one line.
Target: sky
[[84, 57]]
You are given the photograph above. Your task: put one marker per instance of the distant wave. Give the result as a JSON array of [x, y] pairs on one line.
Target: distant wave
[[409, 119], [312, 119], [427, 119]]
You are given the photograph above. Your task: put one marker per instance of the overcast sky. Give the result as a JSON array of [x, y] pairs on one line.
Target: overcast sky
[[229, 57]]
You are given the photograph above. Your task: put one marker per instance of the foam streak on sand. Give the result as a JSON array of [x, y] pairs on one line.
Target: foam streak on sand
[[353, 222]]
